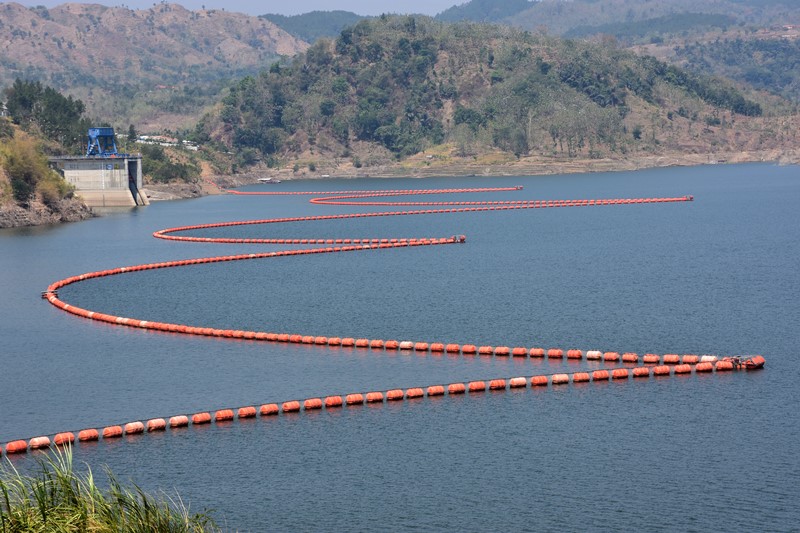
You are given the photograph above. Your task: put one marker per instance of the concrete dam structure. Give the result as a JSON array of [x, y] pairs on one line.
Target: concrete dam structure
[[104, 177]]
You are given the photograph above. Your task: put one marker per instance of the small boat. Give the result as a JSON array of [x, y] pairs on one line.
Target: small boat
[[751, 363], [269, 180]]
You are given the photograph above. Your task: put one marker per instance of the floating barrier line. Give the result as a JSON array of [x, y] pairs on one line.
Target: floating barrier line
[[652, 365], [379, 397]]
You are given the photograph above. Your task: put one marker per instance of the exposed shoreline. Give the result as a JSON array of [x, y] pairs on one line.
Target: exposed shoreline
[[12, 216], [420, 168]]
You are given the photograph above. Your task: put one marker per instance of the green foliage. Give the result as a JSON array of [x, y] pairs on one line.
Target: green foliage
[[29, 173], [768, 64], [315, 24], [159, 167], [407, 83], [43, 109], [57, 498]]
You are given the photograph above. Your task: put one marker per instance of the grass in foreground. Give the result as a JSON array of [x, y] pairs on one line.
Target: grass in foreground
[[57, 498]]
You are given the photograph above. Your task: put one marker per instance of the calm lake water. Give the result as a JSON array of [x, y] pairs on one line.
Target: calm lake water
[[719, 275]]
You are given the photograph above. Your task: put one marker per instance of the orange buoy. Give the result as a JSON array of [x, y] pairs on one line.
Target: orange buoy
[[661, 370], [246, 412], [611, 357], [333, 401], [690, 359], [112, 432], [334, 341], [469, 349], [64, 438], [619, 373], [354, 399], [559, 379], [755, 362], [437, 347], [580, 377], [651, 359], [672, 359], [223, 415], [704, 367], [395, 395], [435, 390], [485, 350], [497, 384], [374, 397], [269, 409], [16, 446], [456, 388], [518, 382], [502, 351], [476, 386], [320, 340], [574, 354], [201, 418], [348, 342], [724, 365], [291, 406], [362, 343], [601, 375], [519, 351], [683, 369], [555, 353], [421, 347], [156, 424], [134, 428], [414, 392], [537, 352], [376, 344], [630, 357], [452, 348], [391, 345], [594, 355], [295, 338], [179, 421], [539, 381], [312, 404], [88, 435], [641, 372]]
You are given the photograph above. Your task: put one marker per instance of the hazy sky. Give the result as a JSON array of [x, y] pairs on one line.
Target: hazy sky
[[285, 7]]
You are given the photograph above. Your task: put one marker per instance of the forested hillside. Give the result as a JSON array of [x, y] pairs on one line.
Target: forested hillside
[[154, 67], [769, 64], [311, 26], [395, 86]]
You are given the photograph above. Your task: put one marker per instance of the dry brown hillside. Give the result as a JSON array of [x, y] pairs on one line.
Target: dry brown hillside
[[123, 62]]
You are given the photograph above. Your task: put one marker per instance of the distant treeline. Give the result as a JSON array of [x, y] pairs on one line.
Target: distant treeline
[[769, 64], [406, 83]]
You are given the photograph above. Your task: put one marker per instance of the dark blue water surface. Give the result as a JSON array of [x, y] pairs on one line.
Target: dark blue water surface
[[720, 275]]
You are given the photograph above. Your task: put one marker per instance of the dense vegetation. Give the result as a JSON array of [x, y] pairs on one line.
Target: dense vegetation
[[28, 174], [57, 498], [41, 109], [315, 24], [407, 83], [769, 64]]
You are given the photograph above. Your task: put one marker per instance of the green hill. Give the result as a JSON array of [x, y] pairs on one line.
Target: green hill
[[311, 26], [395, 86]]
